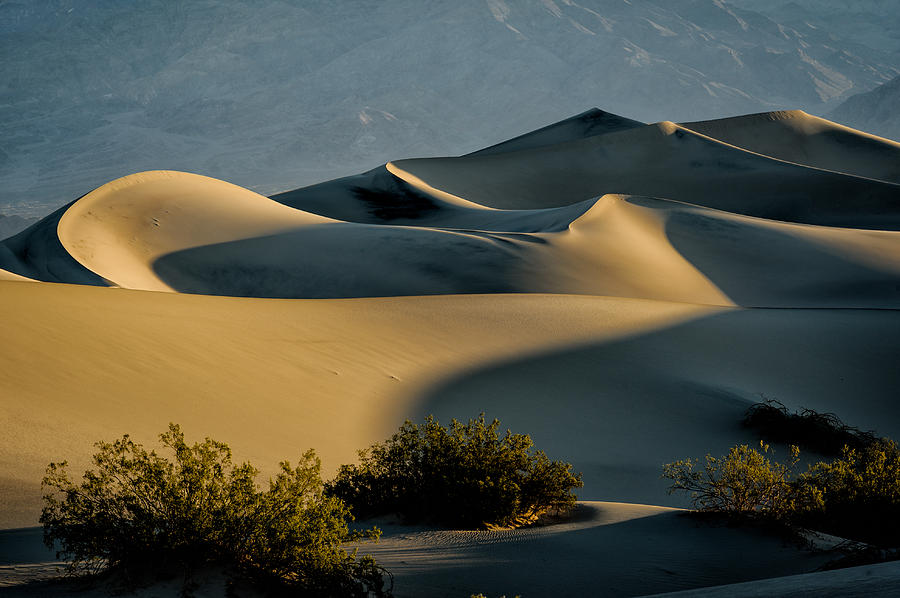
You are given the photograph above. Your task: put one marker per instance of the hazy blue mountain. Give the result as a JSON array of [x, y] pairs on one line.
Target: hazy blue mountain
[[873, 23], [876, 111], [275, 94]]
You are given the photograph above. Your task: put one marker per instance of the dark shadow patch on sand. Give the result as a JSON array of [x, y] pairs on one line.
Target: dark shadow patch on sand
[[644, 555], [373, 197], [348, 260], [37, 253], [392, 204], [380, 197], [24, 545], [763, 266], [619, 410], [590, 123]]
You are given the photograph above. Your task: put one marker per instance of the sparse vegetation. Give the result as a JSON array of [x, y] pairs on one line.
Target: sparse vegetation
[[859, 494], [146, 515], [745, 482], [855, 495], [823, 433], [463, 475]]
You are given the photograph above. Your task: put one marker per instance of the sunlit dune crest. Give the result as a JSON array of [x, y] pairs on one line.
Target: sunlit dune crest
[[795, 136]]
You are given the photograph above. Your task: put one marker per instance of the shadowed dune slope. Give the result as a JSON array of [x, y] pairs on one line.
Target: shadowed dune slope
[[795, 136], [767, 263], [591, 123], [664, 549], [176, 231], [118, 229], [620, 409], [615, 248], [669, 161], [378, 196], [381, 197], [37, 253], [881, 580], [170, 231]]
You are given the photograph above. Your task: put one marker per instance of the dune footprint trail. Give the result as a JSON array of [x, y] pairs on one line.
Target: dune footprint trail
[[595, 283]]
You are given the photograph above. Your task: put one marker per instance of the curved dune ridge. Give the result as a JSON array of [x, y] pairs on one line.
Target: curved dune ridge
[[795, 136], [780, 209], [669, 161]]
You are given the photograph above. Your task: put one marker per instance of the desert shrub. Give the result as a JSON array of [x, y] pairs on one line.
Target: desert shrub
[[463, 475], [824, 433], [855, 496], [146, 515], [860, 494], [744, 482]]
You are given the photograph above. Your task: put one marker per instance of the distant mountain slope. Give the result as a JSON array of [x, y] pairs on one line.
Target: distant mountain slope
[[275, 94], [875, 23], [876, 111]]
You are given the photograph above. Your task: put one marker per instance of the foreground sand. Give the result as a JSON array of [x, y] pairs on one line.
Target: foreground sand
[[880, 580], [622, 292], [609, 549], [617, 386], [665, 550]]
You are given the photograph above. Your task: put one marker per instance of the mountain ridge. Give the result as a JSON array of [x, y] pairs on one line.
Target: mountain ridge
[[95, 91]]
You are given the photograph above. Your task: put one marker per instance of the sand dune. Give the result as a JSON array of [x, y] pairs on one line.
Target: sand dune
[[632, 383], [9, 276], [273, 377], [119, 229], [666, 550], [881, 580], [603, 536], [617, 386], [665, 160], [37, 253], [766, 263], [795, 136], [595, 283], [168, 231], [590, 123]]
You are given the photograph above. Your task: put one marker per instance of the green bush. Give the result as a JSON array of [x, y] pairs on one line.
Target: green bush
[[464, 475], [146, 515], [824, 433], [744, 482], [860, 494], [855, 496]]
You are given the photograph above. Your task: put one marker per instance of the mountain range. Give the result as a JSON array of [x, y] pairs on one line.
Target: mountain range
[[874, 111], [277, 94]]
